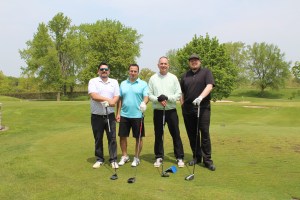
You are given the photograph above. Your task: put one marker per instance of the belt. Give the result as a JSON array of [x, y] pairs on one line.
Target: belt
[[103, 116]]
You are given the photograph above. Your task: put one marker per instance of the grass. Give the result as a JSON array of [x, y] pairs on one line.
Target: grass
[[47, 153]]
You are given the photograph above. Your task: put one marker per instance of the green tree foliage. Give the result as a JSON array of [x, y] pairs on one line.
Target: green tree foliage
[[65, 44], [296, 71], [61, 56], [10, 84], [267, 66], [174, 63], [45, 57], [108, 41], [238, 55], [4, 83], [28, 84], [213, 56], [145, 74]]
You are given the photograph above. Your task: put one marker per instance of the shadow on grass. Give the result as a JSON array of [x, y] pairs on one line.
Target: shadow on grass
[[91, 160]]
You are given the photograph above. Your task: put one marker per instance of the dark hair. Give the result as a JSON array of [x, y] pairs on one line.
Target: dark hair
[[103, 63], [134, 65]]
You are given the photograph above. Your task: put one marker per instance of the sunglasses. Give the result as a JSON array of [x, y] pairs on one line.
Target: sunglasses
[[103, 69]]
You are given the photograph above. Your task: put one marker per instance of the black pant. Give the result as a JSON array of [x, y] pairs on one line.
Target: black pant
[[99, 124], [190, 121], [171, 118]]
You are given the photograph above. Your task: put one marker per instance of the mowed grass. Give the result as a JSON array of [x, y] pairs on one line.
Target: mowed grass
[[48, 153]]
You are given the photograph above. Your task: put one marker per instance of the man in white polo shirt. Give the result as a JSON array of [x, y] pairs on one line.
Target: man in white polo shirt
[[104, 93]]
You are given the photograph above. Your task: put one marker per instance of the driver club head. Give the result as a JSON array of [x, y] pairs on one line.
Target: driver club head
[[114, 177], [190, 177], [131, 180], [165, 174]]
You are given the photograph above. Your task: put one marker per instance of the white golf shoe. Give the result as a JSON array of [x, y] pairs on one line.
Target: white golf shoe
[[124, 159], [180, 163], [114, 165], [97, 164], [135, 162], [158, 162]]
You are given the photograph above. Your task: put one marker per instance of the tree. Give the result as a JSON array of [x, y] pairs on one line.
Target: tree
[[238, 56], [42, 61], [296, 71], [61, 56], [46, 57], [213, 56], [9, 84], [145, 74], [4, 83], [111, 42], [61, 34], [174, 63], [267, 66]]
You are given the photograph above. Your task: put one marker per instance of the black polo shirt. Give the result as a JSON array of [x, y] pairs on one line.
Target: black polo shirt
[[192, 84]]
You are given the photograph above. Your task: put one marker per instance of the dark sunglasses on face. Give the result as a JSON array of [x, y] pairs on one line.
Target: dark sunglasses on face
[[103, 69]]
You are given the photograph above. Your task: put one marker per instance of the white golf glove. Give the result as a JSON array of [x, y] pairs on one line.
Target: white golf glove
[[197, 101], [143, 107], [105, 104]]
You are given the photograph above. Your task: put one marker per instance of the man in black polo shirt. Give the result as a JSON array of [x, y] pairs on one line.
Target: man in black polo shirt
[[196, 85]]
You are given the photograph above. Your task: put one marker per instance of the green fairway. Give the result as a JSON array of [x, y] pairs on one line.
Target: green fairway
[[48, 152]]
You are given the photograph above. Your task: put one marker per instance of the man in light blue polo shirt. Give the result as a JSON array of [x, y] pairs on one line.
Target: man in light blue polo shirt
[[131, 105]]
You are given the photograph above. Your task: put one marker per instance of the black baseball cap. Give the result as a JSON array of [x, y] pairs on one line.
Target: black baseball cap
[[194, 56]]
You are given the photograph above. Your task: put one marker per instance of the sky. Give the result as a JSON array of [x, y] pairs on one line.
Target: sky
[[163, 24]]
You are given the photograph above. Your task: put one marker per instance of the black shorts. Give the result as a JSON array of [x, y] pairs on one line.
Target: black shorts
[[131, 123]]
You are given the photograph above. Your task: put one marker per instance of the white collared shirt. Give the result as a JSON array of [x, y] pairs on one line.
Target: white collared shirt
[[108, 89]]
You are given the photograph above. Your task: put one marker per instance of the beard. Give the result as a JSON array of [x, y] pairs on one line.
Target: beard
[[195, 67], [104, 75]]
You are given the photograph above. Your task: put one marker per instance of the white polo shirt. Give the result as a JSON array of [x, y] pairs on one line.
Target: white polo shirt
[[108, 89]]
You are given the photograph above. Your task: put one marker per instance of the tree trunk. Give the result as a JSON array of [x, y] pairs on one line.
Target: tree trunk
[[65, 89], [58, 96]]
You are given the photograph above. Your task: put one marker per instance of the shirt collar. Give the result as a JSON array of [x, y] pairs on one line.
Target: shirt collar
[[100, 80], [136, 81]]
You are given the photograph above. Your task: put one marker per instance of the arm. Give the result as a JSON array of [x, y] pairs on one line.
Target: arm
[[97, 97], [113, 102], [119, 106], [182, 99], [146, 99], [206, 91], [152, 97], [177, 91]]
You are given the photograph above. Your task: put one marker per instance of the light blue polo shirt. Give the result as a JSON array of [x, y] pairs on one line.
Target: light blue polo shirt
[[132, 95]]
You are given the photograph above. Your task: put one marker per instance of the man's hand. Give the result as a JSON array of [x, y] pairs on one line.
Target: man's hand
[[197, 101], [162, 97], [105, 104], [143, 107]]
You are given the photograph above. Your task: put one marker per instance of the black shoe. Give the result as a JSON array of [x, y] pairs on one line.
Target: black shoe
[[211, 167], [194, 162]]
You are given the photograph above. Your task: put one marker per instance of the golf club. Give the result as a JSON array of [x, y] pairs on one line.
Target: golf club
[[114, 176], [163, 173], [192, 176], [132, 179]]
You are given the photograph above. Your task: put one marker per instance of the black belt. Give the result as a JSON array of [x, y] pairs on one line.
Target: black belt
[[103, 116]]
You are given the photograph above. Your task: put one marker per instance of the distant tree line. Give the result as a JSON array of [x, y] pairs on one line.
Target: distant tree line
[[62, 58], [234, 64]]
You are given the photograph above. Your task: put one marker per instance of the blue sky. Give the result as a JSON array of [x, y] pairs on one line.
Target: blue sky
[[164, 24]]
